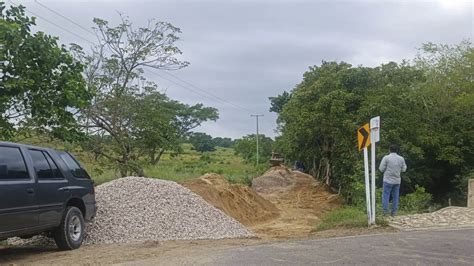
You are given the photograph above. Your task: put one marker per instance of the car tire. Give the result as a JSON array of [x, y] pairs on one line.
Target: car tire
[[70, 233]]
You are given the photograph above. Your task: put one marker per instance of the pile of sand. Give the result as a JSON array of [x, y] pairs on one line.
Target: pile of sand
[[299, 197], [238, 201]]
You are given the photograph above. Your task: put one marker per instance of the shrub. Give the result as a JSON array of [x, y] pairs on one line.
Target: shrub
[[347, 217], [247, 180], [232, 179], [418, 201], [205, 158]]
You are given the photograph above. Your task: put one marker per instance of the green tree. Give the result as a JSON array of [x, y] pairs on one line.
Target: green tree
[[202, 142], [123, 122], [247, 148], [223, 142], [41, 84], [161, 124], [425, 107], [279, 101], [448, 104]]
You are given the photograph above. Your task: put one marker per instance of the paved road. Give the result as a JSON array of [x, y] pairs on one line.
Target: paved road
[[453, 247]]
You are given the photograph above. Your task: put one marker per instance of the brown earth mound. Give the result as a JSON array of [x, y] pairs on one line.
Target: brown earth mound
[[281, 203], [299, 197], [276, 178], [238, 201]]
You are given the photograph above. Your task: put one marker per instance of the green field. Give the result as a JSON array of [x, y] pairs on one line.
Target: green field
[[187, 165]]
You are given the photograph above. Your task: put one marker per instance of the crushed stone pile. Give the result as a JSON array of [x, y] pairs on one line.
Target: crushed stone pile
[[446, 217], [238, 201], [134, 209], [138, 209]]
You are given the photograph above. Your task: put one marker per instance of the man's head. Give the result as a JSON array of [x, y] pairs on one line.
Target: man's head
[[393, 148]]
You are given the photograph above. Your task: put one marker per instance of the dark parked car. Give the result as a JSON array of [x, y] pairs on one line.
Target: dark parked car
[[44, 191]]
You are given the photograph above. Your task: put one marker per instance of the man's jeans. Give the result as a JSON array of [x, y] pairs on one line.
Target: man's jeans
[[388, 189]]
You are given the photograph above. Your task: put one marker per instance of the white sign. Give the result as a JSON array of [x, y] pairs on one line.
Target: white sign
[[375, 129]]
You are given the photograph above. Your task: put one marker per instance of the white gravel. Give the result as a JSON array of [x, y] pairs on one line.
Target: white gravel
[[132, 209], [138, 208], [449, 217]]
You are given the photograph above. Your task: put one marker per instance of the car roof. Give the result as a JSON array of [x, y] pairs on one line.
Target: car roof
[[13, 144]]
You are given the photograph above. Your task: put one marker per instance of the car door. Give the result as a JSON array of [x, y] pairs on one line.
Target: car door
[[18, 198], [52, 187]]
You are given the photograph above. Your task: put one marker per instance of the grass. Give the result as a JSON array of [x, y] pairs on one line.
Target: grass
[[190, 164], [347, 217], [187, 165]]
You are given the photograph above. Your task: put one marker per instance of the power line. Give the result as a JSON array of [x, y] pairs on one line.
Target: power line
[[184, 87], [209, 93], [61, 27], [196, 90], [64, 17], [174, 76]]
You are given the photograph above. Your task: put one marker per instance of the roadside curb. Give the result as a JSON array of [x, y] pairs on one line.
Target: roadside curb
[[434, 228]]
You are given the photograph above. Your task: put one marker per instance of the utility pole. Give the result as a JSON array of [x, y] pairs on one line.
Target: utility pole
[[256, 116]]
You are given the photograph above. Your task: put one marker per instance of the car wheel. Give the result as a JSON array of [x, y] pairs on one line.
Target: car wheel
[[70, 233]]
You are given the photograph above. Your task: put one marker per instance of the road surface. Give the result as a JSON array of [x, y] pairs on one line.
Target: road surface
[[449, 247], [453, 247]]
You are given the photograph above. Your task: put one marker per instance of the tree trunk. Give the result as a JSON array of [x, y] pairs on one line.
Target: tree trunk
[[157, 158]]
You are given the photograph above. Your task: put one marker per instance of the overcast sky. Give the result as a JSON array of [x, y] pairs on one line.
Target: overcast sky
[[246, 51]]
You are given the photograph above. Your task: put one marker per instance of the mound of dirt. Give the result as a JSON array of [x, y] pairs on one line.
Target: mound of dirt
[[276, 178], [238, 201], [299, 197]]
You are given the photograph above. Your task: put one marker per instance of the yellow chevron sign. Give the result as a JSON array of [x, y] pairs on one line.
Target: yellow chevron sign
[[363, 136]]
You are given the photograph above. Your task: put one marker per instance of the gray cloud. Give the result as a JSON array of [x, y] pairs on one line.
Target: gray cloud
[[247, 51]]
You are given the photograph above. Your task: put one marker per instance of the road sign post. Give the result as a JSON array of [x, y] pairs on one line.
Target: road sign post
[[367, 186], [374, 137], [363, 139]]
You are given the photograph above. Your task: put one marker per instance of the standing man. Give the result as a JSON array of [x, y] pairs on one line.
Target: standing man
[[391, 167]]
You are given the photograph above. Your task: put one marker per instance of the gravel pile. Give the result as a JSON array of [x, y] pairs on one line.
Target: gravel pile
[[447, 217], [138, 208]]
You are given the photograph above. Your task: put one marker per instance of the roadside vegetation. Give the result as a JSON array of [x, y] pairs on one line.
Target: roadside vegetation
[[347, 217], [355, 215], [426, 106]]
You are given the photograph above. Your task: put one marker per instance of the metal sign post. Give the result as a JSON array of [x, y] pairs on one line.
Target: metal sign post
[[367, 186], [363, 138], [374, 137]]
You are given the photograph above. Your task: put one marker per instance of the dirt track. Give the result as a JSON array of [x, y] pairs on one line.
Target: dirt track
[[123, 253], [301, 203], [281, 203]]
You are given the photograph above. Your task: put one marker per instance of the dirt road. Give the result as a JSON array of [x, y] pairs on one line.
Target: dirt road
[[300, 199], [135, 252]]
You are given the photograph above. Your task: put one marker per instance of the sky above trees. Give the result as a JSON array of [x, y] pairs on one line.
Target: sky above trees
[[246, 51]]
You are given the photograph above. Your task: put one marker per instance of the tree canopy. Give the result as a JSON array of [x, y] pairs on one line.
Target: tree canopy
[[129, 116], [41, 84], [247, 148], [202, 142], [426, 107]]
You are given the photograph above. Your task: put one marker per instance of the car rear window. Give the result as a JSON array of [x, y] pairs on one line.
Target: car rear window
[[73, 166], [44, 166], [12, 164]]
